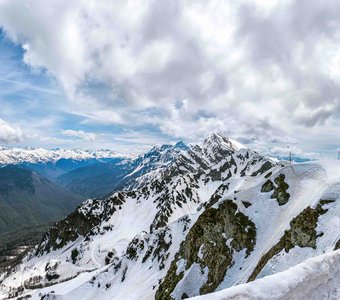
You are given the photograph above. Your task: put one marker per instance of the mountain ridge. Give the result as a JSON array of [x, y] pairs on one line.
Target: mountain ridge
[[216, 216], [99, 179]]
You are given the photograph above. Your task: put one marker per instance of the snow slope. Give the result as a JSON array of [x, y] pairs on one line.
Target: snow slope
[[317, 278], [216, 216], [282, 236]]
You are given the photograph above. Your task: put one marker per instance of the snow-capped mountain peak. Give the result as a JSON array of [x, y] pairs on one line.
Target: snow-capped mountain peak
[[215, 142], [41, 155]]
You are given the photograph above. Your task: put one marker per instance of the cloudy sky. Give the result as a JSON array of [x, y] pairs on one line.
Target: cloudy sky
[[130, 74]]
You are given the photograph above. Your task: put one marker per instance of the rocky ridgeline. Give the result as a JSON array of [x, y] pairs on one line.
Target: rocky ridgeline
[[171, 187]]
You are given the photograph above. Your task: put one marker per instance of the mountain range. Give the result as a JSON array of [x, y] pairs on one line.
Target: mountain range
[[101, 178], [41, 155], [184, 221], [53, 163], [90, 173], [46, 185]]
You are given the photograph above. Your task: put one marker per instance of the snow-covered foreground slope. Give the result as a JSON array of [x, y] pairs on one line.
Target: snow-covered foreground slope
[[315, 279], [218, 215]]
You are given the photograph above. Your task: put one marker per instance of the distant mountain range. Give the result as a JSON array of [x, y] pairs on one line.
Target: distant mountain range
[[40, 155], [90, 173], [53, 163], [100, 179], [45, 185]]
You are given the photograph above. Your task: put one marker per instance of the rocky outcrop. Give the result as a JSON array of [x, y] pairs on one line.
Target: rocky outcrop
[[280, 189], [337, 245], [210, 244], [267, 186], [280, 192]]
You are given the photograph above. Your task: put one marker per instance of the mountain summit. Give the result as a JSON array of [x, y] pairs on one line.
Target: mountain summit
[[215, 139]]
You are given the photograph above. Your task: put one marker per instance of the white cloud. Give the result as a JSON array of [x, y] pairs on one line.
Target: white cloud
[[80, 134], [9, 133], [263, 73], [294, 151]]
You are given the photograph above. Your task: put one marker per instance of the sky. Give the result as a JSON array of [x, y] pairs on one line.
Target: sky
[[127, 75]]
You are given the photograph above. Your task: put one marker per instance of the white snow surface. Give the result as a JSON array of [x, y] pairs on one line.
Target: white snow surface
[[317, 278]]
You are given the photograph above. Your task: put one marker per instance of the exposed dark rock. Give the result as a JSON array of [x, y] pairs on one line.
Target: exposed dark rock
[[337, 245], [267, 186], [268, 175], [246, 204], [134, 248], [74, 255], [280, 193], [52, 276], [206, 245], [264, 168], [159, 246], [108, 258]]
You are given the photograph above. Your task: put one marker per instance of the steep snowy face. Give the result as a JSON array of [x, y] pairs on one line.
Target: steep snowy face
[[157, 158], [40, 155], [215, 141]]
